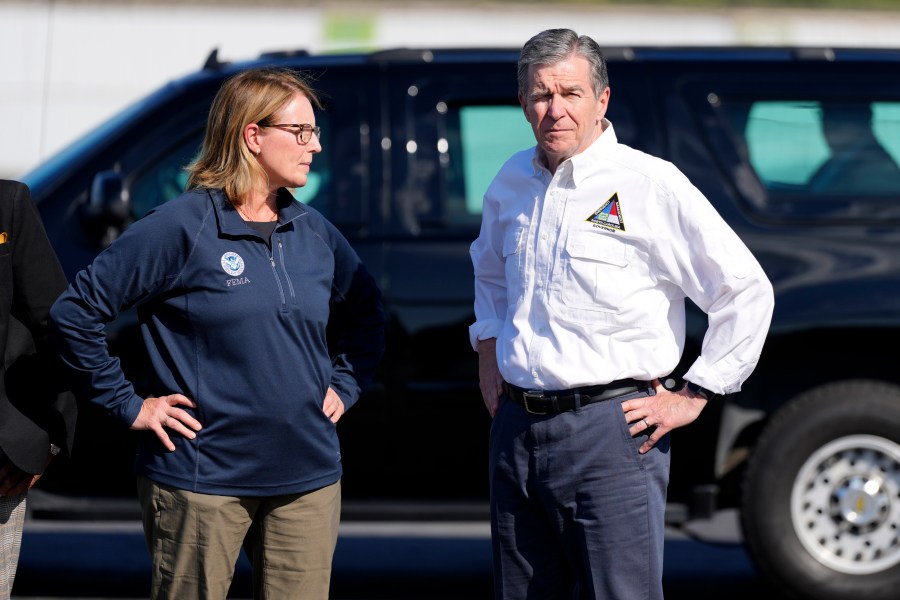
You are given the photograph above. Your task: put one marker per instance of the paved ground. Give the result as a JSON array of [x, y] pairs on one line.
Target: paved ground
[[442, 561]]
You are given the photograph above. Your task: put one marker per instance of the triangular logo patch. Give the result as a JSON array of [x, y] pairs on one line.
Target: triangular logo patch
[[609, 215]]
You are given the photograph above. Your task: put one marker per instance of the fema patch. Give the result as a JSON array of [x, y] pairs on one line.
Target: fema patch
[[232, 263], [609, 216]]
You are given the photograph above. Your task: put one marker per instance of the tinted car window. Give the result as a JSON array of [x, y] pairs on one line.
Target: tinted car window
[[490, 135], [165, 178], [822, 148], [486, 137], [796, 148]]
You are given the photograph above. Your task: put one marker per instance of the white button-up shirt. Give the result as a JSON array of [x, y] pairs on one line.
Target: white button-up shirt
[[581, 275]]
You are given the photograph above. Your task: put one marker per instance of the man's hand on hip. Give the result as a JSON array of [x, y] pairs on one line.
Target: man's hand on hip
[[489, 378], [665, 411]]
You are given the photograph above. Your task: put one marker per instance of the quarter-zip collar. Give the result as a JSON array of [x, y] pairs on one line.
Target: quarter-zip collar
[[231, 223]]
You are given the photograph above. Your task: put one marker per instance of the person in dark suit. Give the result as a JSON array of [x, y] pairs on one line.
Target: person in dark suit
[[37, 417]]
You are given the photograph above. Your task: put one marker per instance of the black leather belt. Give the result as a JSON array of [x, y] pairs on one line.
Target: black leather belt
[[544, 402]]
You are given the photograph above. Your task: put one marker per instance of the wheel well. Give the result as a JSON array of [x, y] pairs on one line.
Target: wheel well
[[790, 365]]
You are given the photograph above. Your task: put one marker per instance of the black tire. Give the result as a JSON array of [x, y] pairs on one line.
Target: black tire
[[821, 497]]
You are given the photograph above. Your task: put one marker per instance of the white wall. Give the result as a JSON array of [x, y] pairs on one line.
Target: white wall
[[64, 67]]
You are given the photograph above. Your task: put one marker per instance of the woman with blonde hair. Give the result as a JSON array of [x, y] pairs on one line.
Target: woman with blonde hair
[[235, 285]]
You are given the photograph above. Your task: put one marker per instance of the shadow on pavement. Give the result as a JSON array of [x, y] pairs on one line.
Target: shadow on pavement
[[116, 564]]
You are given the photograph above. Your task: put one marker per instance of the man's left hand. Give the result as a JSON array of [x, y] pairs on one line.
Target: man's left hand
[[663, 412]]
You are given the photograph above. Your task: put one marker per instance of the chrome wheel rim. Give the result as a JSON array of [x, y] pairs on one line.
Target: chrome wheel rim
[[845, 504]]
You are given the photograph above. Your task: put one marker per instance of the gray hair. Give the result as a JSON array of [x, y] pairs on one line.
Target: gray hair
[[553, 46]]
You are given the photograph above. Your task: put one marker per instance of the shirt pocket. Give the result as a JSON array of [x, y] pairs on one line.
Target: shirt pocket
[[597, 276], [513, 255]]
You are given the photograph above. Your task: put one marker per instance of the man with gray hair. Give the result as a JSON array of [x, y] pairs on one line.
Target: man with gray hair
[[578, 318]]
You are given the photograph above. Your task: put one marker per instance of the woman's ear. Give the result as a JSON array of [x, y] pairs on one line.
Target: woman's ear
[[252, 138]]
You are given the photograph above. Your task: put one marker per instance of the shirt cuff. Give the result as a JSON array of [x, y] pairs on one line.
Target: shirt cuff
[[483, 330]]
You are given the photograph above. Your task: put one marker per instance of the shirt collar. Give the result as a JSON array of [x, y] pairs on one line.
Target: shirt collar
[[581, 164]]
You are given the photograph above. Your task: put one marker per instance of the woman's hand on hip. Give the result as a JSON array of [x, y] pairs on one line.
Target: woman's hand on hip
[[333, 407], [161, 413]]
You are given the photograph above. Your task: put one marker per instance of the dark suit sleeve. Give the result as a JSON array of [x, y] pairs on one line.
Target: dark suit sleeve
[[37, 399], [38, 278]]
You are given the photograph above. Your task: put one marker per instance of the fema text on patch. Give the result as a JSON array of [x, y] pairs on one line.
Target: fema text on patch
[[237, 281]]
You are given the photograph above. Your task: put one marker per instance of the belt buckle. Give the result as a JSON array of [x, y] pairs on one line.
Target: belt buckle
[[534, 396]]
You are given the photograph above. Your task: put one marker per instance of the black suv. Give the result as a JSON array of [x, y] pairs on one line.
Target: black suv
[[798, 149]]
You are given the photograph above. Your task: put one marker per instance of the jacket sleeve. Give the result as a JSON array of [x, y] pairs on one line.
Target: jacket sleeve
[[355, 330], [142, 263], [35, 382]]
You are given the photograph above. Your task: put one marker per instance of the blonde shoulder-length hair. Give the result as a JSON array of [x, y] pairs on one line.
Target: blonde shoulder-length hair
[[225, 162]]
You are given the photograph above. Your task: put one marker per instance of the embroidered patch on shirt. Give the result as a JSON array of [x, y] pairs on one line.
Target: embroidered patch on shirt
[[232, 263], [609, 215]]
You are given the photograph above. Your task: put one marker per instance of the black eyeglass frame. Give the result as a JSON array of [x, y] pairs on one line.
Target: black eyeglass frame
[[303, 131]]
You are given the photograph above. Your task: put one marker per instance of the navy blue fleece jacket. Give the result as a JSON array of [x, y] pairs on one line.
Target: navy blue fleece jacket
[[253, 335]]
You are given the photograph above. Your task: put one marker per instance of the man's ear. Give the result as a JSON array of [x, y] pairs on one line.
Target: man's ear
[[603, 104]]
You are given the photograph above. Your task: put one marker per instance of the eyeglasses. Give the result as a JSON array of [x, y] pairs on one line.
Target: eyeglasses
[[303, 131]]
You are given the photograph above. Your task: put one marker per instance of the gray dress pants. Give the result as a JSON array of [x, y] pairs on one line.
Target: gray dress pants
[[12, 520], [576, 511]]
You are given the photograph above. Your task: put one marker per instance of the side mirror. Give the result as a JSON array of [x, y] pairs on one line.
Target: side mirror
[[108, 209]]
